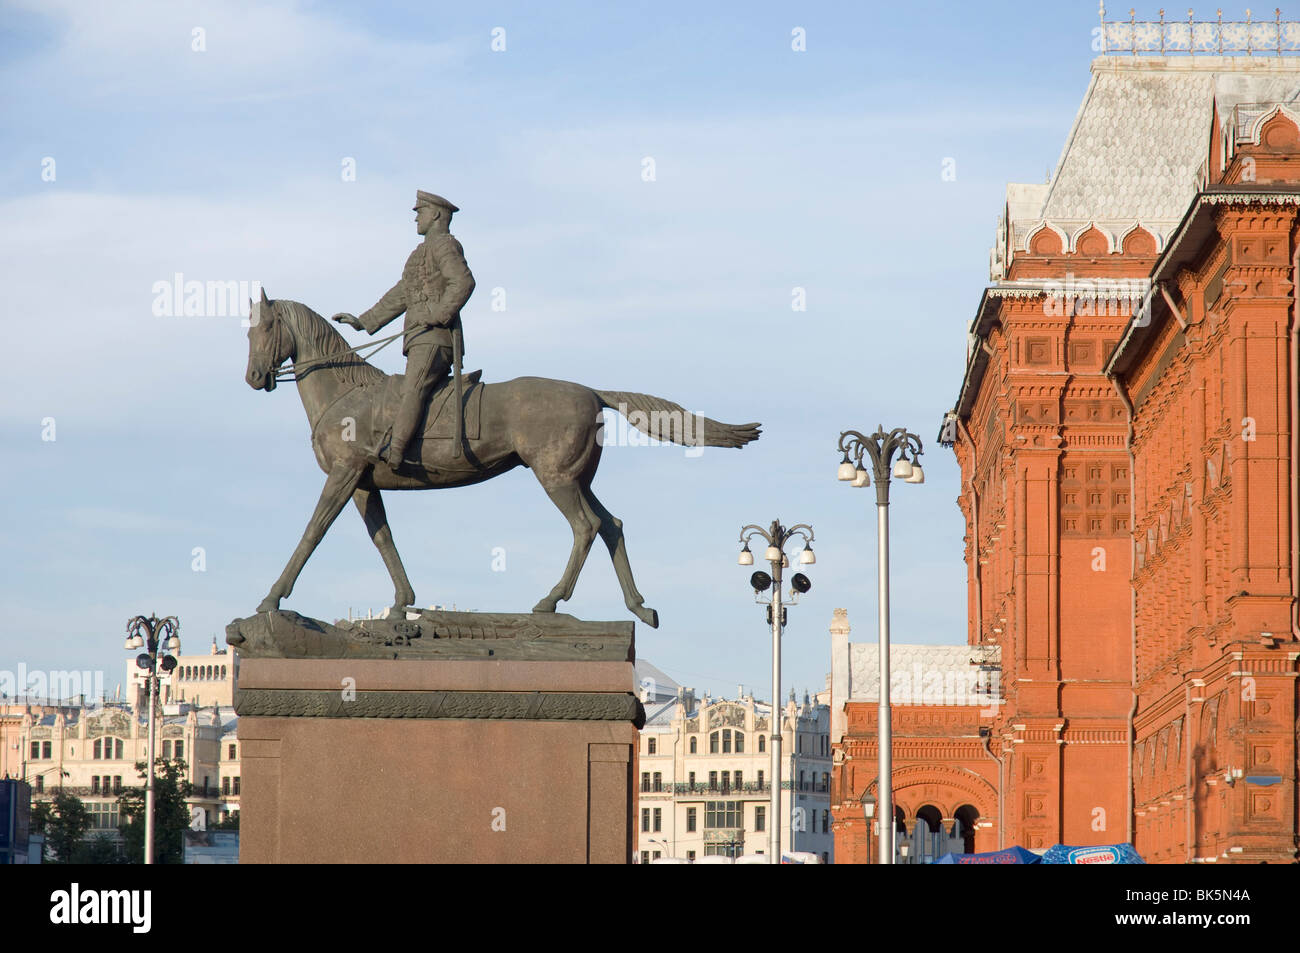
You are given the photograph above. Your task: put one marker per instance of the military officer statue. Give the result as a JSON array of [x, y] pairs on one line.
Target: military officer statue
[[434, 286]]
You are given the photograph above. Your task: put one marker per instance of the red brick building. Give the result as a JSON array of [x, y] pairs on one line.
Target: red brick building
[[1126, 431], [945, 778]]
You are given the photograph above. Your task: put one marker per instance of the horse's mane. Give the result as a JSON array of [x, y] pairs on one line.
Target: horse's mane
[[312, 331]]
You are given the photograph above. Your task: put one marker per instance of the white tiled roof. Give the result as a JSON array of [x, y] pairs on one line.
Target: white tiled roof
[[919, 674], [1139, 139], [1135, 148]]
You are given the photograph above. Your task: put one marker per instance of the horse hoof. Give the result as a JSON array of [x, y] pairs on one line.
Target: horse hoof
[[649, 616], [544, 606]]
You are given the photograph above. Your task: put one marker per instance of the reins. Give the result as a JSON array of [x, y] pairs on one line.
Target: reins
[[293, 372]]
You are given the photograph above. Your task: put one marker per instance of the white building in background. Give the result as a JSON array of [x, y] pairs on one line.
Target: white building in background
[[202, 680], [704, 784], [92, 752]]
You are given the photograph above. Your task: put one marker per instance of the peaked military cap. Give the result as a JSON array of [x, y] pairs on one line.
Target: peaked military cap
[[423, 198]]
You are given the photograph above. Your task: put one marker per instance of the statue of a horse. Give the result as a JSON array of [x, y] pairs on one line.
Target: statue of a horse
[[552, 427]]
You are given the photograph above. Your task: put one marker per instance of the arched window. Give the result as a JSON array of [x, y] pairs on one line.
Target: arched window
[[740, 742], [693, 745], [929, 840], [98, 748], [762, 744], [967, 817], [726, 741], [713, 743]]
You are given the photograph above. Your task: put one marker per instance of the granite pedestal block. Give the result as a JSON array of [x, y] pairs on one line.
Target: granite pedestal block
[[439, 759]]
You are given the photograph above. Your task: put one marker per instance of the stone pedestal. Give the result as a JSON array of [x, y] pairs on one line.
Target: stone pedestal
[[439, 759]]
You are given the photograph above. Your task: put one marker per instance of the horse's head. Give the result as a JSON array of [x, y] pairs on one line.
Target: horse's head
[[269, 344]]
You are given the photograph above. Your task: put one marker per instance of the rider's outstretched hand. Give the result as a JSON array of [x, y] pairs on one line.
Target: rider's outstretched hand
[[349, 319]]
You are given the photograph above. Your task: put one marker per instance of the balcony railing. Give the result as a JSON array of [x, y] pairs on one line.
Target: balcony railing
[[197, 791], [85, 790], [810, 786], [749, 787]]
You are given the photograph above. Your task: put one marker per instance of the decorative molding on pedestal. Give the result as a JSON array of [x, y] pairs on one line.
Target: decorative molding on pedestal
[[543, 706]]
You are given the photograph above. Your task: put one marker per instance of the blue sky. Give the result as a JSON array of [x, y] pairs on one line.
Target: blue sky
[[775, 169]]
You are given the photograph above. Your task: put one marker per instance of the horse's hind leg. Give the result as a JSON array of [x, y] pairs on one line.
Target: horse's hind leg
[[611, 531], [371, 506], [568, 498]]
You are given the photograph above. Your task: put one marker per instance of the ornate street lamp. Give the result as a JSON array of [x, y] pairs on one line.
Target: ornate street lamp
[[869, 814], [153, 635], [776, 536], [879, 449]]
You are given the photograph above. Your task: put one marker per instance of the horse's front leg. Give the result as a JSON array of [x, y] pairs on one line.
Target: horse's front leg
[[343, 479], [371, 505]]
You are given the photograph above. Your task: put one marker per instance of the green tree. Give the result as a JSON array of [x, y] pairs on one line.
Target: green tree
[[171, 814], [230, 822], [42, 812], [66, 824], [100, 849]]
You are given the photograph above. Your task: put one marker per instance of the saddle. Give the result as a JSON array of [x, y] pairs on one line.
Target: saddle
[[439, 416]]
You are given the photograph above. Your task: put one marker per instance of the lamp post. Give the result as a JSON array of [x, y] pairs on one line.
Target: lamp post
[[662, 843], [879, 448], [869, 814], [776, 536], [152, 634]]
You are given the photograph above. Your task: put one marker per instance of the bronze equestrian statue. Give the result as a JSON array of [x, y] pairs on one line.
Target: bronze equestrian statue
[[553, 427]]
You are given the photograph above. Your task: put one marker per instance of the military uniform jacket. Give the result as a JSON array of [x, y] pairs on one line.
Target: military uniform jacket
[[435, 285]]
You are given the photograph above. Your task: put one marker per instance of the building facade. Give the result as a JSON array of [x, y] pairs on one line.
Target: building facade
[[1127, 439], [705, 786], [92, 752], [946, 782], [1210, 375]]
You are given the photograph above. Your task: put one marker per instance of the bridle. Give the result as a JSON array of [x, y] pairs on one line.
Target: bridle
[[293, 372]]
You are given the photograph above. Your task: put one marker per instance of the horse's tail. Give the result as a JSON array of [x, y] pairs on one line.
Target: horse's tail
[[664, 420]]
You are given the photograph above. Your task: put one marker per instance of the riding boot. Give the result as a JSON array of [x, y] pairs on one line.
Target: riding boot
[[425, 366]]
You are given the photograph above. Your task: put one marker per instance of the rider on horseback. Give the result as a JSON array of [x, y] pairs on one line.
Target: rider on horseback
[[434, 286]]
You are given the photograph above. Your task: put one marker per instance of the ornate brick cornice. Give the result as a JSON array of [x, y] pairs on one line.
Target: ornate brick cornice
[[1249, 198]]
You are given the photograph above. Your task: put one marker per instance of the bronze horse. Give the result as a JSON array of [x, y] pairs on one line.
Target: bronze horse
[[552, 427]]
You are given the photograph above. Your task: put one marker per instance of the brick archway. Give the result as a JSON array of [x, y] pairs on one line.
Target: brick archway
[[949, 789], [946, 787]]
